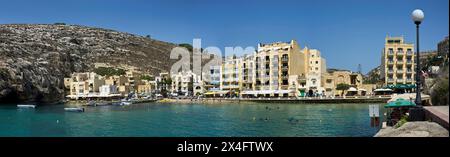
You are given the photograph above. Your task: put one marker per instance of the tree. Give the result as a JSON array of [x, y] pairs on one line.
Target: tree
[[187, 46], [147, 77], [343, 87]]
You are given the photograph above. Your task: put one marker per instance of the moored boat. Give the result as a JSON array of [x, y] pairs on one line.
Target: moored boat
[[26, 106], [125, 103], [74, 109]]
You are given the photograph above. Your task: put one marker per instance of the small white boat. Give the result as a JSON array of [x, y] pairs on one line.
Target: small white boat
[[91, 103], [26, 106], [125, 103], [74, 109]]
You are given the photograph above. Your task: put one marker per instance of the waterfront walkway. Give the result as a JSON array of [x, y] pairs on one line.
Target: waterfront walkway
[[438, 114], [366, 99]]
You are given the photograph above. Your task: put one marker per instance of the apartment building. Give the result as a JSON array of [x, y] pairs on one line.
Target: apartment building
[[247, 72], [84, 83], [398, 62], [276, 65], [315, 68], [231, 75], [186, 83]]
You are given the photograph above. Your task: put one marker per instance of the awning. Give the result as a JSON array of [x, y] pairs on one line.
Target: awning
[[249, 92], [352, 89], [284, 91], [383, 90], [400, 102]]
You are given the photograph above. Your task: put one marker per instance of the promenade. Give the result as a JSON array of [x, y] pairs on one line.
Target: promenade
[[361, 99]]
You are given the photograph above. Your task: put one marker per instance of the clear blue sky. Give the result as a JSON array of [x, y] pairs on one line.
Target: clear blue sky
[[347, 32]]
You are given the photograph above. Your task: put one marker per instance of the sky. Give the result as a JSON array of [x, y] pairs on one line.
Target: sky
[[347, 32]]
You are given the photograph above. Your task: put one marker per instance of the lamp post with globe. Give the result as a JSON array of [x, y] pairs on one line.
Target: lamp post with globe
[[418, 16], [417, 113]]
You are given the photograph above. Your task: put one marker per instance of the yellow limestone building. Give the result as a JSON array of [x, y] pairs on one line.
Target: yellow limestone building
[[398, 62], [282, 69]]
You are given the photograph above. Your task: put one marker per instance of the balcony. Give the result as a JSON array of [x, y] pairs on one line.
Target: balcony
[[284, 59], [284, 68], [390, 80], [400, 71], [409, 62], [390, 62], [400, 80], [409, 80], [400, 62], [390, 53], [284, 77], [390, 71], [409, 71], [400, 53], [409, 53]]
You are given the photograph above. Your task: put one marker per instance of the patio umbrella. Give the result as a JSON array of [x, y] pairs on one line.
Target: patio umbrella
[[401, 86], [400, 102]]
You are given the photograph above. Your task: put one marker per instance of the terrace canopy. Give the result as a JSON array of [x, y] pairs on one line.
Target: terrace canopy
[[400, 102], [352, 89]]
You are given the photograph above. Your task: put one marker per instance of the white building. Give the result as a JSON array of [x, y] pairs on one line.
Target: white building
[[108, 90]]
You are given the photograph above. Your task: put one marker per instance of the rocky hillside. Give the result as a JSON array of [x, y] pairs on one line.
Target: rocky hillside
[[34, 59]]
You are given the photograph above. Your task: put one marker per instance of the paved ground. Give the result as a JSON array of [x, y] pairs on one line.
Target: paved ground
[[414, 129], [438, 114]]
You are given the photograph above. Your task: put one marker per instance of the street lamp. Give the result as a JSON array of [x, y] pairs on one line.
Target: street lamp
[[417, 16]]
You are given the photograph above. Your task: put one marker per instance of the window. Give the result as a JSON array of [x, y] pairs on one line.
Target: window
[[317, 62], [317, 68]]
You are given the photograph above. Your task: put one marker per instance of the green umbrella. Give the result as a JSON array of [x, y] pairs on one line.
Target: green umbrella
[[391, 86], [401, 86], [411, 85], [400, 102]]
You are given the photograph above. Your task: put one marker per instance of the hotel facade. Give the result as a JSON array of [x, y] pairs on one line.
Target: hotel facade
[[279, 69], [398, 62]]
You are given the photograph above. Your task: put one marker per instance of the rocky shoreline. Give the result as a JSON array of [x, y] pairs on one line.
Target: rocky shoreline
[[414, 129]]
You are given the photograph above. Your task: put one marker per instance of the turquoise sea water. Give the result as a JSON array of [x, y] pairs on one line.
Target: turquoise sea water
[[189, 120]]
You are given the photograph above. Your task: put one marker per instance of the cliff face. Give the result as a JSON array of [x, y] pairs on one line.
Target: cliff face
[[34, 59]]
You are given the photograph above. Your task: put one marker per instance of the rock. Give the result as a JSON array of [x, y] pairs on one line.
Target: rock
[[34, 59], [414, 129]]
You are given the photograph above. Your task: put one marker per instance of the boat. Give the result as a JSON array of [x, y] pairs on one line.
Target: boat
[[91, 103], [26, 106], [74, 109], [102, 104], [125, 103]]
